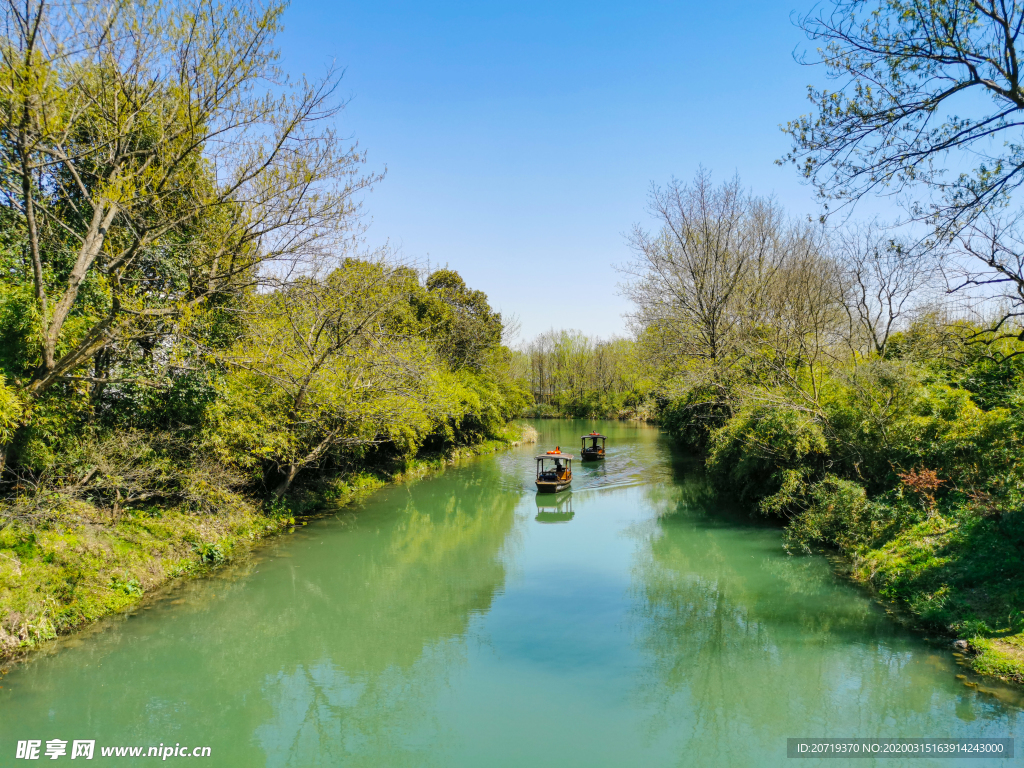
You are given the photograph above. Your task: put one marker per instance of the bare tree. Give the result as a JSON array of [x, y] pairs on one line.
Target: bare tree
[[887, 280], [997, 242], [704, 276], [803, 324]]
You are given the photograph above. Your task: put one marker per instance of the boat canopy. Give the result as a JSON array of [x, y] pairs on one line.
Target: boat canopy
[[594, 434], [556, 456]]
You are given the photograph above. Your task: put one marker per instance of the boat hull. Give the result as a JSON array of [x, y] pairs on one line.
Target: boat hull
[[592, 455], [547, 486]]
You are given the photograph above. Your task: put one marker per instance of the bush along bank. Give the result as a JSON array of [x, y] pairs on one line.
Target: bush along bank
[[73, 562], [913, 470], [308, 394]]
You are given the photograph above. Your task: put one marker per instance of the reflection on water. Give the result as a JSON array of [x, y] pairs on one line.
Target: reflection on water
[[324, 650], [447, 622], [554, 507], [743, 643]]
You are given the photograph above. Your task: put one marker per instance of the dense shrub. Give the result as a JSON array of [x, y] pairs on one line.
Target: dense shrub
[[751, 453], [691, 418]]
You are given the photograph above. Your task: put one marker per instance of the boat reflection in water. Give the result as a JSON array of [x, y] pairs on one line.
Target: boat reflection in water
[[554, 509]]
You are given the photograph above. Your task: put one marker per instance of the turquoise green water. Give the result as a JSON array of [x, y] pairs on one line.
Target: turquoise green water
[[461, 620]]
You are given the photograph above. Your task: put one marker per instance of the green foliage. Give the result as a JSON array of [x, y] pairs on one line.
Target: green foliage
[[751, 452], [11, 411], [210, 553], [574, 375], [694, 416], [461, 323], [362, 365], [912, 468], [832, 511]]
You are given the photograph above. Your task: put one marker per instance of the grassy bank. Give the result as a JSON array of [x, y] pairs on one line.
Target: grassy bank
[[913, 471], [77, 562], [963, 577]]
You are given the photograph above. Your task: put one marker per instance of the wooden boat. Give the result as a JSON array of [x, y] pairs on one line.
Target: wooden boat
[[554, 476], [592, 452]]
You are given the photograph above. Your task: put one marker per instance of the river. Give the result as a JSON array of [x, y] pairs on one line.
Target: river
[[462, 620]]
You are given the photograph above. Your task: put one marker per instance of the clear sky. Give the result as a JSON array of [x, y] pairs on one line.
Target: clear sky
[[521, 139]]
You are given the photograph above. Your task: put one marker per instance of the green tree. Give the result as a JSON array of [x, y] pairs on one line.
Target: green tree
[[325, 365], [154, 159], [465, 328]]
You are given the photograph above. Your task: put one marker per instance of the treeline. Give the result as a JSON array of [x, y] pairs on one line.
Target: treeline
[[831, 383], [572, 374], [187, 331], [864, 383]]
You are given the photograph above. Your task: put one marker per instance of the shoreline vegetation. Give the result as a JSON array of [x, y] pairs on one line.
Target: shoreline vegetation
[[115, 566], [196, 347], [889, 430]]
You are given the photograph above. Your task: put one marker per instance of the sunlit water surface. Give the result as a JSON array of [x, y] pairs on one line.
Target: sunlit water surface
[[462, 620]]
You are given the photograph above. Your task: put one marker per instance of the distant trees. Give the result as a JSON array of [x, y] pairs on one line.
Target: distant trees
[[460, 320], [582, 375]]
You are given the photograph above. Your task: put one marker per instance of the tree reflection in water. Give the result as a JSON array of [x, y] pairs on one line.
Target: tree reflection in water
[[376, 639], [723, 616]]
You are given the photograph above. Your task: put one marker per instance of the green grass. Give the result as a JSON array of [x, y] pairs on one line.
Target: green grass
[[81, 565], [962, 575]]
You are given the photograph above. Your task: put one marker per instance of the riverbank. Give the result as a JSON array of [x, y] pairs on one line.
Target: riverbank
[[912, 470], [543, 411], [958, 577], [439, 620], [79, 562]]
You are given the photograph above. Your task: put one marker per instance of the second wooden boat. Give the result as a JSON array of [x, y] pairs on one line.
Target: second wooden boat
[[593, 451]]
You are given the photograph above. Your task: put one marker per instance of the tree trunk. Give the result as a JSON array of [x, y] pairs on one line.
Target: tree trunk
[[290, 475]]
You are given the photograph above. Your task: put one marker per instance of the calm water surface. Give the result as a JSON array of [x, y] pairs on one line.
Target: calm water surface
[[461, 620]]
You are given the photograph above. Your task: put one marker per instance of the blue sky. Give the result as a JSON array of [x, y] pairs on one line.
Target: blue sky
[[521, 139]]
